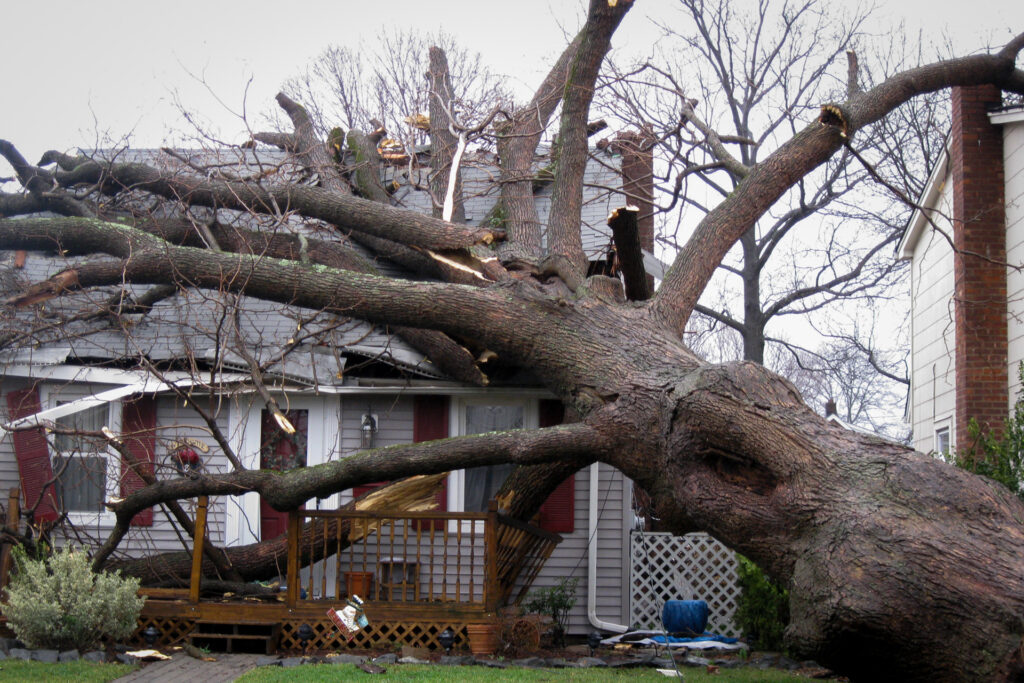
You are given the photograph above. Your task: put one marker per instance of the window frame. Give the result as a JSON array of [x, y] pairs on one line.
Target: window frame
[[943, 427], [51, 397], [457, 427]]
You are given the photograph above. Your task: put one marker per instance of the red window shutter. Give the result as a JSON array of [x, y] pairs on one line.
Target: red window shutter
[[138, 427], [33, 456], [558, 512], [430, 422]]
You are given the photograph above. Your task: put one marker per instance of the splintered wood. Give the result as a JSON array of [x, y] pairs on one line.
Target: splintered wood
[[415, 494]]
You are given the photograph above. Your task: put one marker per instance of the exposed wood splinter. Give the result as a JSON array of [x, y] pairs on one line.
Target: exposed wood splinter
[[832, 115], [64, 281]]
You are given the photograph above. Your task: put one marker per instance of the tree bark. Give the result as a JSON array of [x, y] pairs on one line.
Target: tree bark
[[443, 141]]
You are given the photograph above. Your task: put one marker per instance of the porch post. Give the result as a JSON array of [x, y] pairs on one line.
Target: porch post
[[491, 589], [197, 549], [293, 559]]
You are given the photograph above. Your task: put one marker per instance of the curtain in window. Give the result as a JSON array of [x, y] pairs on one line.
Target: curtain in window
[[483, 482], [79, 464]]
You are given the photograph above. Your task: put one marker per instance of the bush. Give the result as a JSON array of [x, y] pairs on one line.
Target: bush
[[1000, 458], [61, 604], [555, 602], [763, 609]]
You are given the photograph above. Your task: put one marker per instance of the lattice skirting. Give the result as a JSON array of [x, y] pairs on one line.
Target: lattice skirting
[[691, 567], [380, 635], [172, 630]]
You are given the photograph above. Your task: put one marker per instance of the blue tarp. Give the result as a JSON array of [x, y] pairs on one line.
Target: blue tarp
[[706, 637]]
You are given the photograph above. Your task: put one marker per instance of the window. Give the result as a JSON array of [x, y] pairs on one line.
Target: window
[[471, 489], [482, 483], [82, 464], [942, 441]]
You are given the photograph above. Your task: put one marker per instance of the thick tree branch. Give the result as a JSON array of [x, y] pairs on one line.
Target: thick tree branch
[[768, 180], [443, 140], [288, 490], [147, 259], [626, 234], [517, 143], [346, 212], [564, 237], [310, 149]]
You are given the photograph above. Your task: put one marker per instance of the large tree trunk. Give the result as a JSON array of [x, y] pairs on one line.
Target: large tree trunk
[[899, 566]]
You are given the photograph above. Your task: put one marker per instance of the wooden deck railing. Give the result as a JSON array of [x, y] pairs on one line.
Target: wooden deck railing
[[477, 559]]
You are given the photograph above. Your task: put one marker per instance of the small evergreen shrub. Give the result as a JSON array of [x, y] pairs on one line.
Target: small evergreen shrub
[[61, 604], [554, 601], [762, 612]]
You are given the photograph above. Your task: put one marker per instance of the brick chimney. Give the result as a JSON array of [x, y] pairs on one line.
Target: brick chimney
[[979, 227]]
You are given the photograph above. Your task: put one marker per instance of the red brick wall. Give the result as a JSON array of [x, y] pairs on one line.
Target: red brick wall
[[638, 180], [979, 233]]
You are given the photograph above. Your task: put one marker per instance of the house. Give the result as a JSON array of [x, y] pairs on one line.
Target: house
[[965, 243], [181, 375]]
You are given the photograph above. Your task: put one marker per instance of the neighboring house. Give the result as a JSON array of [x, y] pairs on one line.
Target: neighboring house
[[967, 303], [343, 383]]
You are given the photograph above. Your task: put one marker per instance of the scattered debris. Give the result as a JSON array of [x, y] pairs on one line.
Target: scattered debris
[[148, 655]]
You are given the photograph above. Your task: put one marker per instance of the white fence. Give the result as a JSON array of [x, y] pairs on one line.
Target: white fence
[[691, 567]]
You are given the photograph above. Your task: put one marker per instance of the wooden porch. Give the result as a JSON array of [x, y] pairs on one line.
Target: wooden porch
[[418, 573]]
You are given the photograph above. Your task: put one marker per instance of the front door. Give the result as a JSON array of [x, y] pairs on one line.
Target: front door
[[281, 451]]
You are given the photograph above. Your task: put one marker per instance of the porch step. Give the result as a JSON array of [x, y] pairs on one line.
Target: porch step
[[253, 637]]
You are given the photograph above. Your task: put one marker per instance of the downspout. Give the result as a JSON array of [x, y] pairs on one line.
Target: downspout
[[596, 621]]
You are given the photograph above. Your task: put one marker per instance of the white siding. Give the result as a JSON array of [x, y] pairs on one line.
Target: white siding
[[1013, 155], [932, 399], [569, 559]]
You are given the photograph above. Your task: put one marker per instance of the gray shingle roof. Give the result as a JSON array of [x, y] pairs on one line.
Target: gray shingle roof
[[204, 327]]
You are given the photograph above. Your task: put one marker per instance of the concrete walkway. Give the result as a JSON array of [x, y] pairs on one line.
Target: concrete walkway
[[181, 667]]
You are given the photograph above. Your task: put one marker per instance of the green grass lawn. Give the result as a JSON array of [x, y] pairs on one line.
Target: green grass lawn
[[313, 673], [78, 672]]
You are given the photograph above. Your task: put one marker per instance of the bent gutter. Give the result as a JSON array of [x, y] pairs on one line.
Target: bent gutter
[[595, 620]]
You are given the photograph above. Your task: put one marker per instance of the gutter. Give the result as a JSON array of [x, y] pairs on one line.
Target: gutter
[[596, 621]]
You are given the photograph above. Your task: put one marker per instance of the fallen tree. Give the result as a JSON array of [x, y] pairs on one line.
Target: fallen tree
[[899, 566]]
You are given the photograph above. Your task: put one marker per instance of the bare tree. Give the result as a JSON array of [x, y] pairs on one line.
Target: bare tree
[[879, 544], [742, 83], [384, 85]]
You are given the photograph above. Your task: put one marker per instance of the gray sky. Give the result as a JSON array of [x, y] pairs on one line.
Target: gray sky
[[116, 67]]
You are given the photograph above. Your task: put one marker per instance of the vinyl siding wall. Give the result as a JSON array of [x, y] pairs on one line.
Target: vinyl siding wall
[[140, 540], [932, 335], [1013, 155]]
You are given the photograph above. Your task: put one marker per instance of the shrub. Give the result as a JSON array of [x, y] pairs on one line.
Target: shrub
[[60, 603], [762, 611], [1000, 458], [554, 601]]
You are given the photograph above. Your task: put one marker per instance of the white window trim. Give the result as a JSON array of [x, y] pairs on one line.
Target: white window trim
[[942, 425], [49, 397], [457, 427], [244, 423]]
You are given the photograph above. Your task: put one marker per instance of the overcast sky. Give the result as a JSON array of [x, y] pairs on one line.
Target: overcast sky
[[71, 69]]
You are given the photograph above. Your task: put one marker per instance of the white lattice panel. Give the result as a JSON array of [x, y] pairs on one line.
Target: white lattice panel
[[691, 567]]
